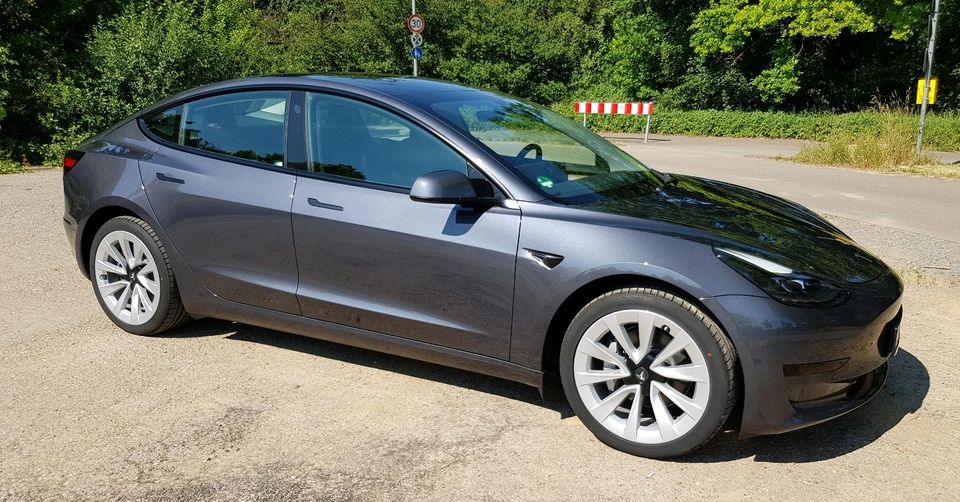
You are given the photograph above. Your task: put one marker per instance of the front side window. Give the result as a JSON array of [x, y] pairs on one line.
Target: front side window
[[354, 140], [245, 125]]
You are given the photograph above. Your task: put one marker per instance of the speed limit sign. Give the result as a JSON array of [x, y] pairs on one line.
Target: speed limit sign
[[415, 23]]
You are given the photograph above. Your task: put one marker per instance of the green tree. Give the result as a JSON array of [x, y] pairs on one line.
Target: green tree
[[531, 48], [42, 42], [649, 50], [5, 63], [727, 27], [149, 52]]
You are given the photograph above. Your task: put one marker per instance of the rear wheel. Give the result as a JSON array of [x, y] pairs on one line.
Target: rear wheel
[[133, 279], [648, 373]]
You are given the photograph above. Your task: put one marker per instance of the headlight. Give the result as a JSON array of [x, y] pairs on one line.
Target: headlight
[[783, 283]]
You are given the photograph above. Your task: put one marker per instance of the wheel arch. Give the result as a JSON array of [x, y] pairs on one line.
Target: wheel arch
[[92, 224], [583, 295]]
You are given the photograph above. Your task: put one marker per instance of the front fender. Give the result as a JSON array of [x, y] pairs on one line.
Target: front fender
[[593, 252]]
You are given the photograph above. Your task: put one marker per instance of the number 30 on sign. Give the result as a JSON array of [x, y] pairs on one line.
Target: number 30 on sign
[[416, 24]]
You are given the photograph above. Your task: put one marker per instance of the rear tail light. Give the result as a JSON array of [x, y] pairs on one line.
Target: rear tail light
[[70, 160]]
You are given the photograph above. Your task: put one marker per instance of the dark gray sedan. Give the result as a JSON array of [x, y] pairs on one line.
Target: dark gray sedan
[[472, 229]]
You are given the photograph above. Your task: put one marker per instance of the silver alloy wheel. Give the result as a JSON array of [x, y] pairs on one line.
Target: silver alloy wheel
[[641, 376], [126, 277]]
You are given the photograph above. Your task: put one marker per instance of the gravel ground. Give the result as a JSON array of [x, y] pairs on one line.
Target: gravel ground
[[225, 411]]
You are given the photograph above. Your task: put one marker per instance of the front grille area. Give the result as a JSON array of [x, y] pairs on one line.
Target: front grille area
[[890, 336]]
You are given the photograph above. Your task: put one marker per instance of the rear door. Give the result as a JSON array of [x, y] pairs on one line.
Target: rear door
[[372, 258], [220, 188]]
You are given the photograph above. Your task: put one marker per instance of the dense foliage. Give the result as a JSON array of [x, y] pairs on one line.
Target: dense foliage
[[72, 67]]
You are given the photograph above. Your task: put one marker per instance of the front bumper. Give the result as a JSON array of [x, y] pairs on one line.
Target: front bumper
[[803, 366]]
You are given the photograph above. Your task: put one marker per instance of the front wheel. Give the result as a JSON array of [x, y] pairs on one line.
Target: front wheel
[[648, 373], [133, 279]]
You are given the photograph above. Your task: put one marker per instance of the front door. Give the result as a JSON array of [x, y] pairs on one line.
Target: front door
[[370, 257], [220, 190]]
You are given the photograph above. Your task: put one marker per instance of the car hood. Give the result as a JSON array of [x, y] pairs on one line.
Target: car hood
[[732, 216]]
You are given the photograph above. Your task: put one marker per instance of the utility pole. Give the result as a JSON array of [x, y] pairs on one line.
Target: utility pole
[[928, 67], [413, 10]]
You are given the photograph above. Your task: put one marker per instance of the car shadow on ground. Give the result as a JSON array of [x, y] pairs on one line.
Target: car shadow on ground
[[369, 358], [907, 385]]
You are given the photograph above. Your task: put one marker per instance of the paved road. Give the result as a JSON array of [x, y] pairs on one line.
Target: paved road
[[224, 411], [921, 205]]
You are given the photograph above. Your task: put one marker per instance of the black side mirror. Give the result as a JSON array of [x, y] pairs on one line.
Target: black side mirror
[[448, 187]]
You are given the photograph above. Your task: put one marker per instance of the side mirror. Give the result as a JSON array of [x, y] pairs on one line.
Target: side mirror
[[447, 187]]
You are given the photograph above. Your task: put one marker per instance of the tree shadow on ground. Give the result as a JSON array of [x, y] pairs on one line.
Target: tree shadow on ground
[[907, 385]]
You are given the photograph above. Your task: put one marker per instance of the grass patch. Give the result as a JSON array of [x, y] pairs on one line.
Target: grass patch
[[891, 149]]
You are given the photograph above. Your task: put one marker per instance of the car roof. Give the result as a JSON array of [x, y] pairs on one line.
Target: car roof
[[394, 85], [416, 91]]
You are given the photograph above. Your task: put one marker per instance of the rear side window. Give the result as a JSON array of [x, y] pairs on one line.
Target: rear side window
[[245, 125], [166, 124]]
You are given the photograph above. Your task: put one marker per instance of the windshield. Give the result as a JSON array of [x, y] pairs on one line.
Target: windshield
[[565, 161]]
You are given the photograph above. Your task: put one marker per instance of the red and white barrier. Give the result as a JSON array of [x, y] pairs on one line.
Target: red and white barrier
[[613, 108], [604, 108]]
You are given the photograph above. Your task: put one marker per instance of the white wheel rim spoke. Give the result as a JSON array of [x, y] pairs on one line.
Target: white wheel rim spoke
[[665, 424], [689, 406], [125, 274], [150, 286], [607, 406], [599, 376], [121, 303], [648, 356], [679, 342], [116, 255], [110, 267], [600, 352], [632, 425], [614, 323], [686, 372], [111, 288]]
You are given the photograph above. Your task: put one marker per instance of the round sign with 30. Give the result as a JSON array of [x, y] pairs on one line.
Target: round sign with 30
[[415, 23]]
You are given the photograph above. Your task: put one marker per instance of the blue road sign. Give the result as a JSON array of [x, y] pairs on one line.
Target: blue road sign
[[417, 53]]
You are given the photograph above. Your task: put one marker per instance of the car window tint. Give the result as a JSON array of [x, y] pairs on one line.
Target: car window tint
[[355, 140], [247, 125], [166, 124]]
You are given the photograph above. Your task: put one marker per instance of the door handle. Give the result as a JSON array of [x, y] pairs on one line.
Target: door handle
[[316, 203], [171, 179]]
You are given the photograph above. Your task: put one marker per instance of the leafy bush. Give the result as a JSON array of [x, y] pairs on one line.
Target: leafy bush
[[8, 166]]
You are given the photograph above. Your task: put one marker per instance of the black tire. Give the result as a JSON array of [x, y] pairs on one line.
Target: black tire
[[719, 354], [170, 311]]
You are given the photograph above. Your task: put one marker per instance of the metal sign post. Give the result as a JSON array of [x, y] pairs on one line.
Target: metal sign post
[[415, 24], [928, 66], [646, 133]]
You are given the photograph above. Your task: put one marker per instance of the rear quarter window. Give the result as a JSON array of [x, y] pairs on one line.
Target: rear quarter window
[[245, 125], [166, 124]]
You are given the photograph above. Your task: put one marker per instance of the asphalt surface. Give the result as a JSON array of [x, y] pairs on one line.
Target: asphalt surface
[[922, 205], [223, 411]]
